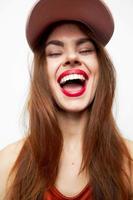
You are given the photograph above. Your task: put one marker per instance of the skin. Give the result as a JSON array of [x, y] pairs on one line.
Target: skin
[[73, 111], [67, 56]]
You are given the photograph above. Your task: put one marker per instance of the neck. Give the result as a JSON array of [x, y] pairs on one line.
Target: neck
[[73, 126]]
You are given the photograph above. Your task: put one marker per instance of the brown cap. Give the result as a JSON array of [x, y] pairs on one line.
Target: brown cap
[[93, 13]]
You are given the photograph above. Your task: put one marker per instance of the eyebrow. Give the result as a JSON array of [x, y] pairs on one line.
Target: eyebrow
[[61, 44]]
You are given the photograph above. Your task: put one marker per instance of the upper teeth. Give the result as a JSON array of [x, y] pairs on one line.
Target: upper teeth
[[72, 77]]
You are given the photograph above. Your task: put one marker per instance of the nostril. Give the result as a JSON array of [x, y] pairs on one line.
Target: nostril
[[67, 63], [76, 62], [73, 62]]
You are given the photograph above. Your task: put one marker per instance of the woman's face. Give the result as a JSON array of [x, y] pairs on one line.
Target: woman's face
[[72, 67]]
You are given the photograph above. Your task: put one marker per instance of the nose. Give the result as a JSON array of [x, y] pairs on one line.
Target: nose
[[72, 60]]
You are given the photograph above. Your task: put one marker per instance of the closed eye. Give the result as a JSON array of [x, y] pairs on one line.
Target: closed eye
[[53, 54], [86, 51]]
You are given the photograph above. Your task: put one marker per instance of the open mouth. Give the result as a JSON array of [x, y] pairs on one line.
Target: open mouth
[[73, 83]]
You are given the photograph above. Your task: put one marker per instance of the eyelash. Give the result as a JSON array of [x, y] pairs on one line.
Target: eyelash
[[83, 52], [54, 54], [87, 51]]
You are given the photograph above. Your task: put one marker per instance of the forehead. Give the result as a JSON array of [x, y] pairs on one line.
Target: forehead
[[66, 31]]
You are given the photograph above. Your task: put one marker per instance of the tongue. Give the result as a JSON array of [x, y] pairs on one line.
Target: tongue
[[73, 87]]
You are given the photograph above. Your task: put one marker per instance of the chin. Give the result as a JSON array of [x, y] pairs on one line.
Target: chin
[[73, 107]]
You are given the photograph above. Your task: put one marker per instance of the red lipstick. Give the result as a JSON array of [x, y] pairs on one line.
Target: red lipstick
[[72, 71], [74, 94], [73, 90]]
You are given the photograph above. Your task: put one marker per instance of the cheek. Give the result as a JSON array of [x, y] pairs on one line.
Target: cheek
[[94, 69], [93, 83], [92, 63], [95, 65], [96, 75], [52, 66], [52, 75]]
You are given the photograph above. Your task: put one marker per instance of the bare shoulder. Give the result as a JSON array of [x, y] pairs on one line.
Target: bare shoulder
[[10, 152], [129, 144], [8, 156]]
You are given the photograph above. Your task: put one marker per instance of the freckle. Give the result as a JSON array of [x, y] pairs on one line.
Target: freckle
[[72, 163]]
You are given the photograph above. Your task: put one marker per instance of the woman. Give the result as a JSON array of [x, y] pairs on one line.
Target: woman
[[73, 149]]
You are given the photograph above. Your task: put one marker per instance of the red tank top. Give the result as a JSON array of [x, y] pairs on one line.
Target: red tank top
[[55, 194]]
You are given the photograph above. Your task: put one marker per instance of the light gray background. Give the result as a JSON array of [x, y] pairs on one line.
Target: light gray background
[[15, 58]]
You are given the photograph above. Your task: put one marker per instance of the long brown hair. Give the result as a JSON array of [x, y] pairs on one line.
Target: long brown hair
[[104, 149]]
